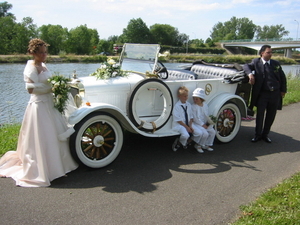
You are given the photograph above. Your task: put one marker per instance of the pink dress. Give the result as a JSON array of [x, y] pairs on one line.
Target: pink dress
[[41, 154]]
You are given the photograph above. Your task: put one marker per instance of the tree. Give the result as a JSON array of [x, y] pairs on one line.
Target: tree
[[274, 31], [82, 40], [136, 32], [55, 36], [164, 34], [105, 46], [7, 23], [94, 39], [209, 42], [233, 29], [6, 35], [15, 36], [196, 43], [4, 7], [113, 38], [182, 40], [24, 31]]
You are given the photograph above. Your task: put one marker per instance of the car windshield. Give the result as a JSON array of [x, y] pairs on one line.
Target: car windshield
[[139, 57]]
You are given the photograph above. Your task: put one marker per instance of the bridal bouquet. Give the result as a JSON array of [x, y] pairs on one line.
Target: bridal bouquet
[[109, 69], [60, 88]]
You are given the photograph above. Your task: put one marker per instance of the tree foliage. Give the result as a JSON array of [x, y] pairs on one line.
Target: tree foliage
[[4, 7], [274, 31], [136, 32], [164, 34], [234, 29], [243, 28], [105, 46], [55, 35], [15, 36], [196, 43], [24, 31], [82, 40]]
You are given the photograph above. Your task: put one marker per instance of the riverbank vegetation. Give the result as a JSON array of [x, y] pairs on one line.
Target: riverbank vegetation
[[279, 205], [178, 58], [9, 137]]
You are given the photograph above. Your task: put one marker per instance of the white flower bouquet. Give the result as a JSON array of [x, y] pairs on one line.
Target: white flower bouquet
[[108, 70], [60, 88]]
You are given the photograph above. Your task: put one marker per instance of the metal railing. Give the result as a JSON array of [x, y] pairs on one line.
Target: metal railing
[[263, 40]]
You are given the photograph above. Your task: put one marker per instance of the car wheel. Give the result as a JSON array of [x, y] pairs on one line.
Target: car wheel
[[97, 140], [228, 122], [150, 104]]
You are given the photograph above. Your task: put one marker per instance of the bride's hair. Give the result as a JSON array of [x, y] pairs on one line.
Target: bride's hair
[[34, 45]]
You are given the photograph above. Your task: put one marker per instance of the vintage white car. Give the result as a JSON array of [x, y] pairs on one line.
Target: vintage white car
[[143, 105]]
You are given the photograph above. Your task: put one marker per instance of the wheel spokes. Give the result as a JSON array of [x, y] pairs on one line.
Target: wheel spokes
[[226, 122], [98, 141]]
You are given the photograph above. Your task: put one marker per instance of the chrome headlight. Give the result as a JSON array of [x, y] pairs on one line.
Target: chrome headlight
[[77, 91]]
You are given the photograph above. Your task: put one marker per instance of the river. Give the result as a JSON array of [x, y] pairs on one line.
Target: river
[[14, 97]]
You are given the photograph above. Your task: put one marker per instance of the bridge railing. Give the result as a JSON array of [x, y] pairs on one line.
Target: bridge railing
[[262, 40]]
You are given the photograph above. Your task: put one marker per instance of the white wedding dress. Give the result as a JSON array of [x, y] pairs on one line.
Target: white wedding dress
[[41, 154]]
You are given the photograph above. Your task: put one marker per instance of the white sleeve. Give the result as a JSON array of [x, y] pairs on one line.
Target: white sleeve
[[30, 72]]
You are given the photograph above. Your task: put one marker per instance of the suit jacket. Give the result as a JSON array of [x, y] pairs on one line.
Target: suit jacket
[[257, 66]]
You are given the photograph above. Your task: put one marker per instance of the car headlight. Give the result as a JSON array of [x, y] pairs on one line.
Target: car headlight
[[77, 91]]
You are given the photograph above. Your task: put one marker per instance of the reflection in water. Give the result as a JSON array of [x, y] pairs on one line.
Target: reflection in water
[[14, 96]]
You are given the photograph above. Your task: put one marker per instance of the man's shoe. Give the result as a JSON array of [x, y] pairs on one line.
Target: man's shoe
[[267, 139], [256, 139]]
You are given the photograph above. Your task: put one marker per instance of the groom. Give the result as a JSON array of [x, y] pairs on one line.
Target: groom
[[268, 88]]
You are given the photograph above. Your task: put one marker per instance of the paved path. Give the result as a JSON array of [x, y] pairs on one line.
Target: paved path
[[150, 184]]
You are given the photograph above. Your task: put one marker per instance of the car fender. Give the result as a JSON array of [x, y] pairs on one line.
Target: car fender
[[217, 102], [103, 108]]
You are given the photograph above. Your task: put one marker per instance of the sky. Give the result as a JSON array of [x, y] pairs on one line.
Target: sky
[[195, 18]]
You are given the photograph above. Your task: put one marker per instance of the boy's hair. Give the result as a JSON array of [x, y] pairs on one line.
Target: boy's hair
[[182, 90]]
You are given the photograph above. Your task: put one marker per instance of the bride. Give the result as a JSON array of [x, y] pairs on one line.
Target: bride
[[42, 153]]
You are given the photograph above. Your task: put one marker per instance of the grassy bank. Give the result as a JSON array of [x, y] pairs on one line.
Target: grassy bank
[[9, 137], [280, 205], [180, 58], [55, 58], [223, 59]]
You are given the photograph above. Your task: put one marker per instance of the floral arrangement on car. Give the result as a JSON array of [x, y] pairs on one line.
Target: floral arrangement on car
[[109, 69], [60, 88]]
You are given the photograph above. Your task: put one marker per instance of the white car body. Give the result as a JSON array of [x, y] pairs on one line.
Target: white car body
[[144, 106]]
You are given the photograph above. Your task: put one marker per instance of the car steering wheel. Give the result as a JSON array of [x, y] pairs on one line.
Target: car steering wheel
[[161, 70]]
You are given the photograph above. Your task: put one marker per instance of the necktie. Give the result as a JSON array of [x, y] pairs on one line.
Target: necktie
[[185, 115], [267, 67]]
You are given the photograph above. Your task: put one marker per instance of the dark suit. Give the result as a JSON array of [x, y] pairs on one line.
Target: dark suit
[[266, 92]]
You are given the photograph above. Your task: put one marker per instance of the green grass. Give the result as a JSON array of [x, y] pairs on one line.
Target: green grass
[[279, 205], [293, 94], [9, 137]]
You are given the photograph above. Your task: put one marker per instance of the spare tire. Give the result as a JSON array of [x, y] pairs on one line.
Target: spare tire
[[150, 104]]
